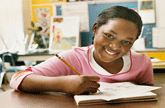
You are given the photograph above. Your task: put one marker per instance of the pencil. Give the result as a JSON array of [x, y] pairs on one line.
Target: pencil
[[70, 66]]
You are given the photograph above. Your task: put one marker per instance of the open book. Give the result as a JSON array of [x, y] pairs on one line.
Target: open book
[[118, 92]]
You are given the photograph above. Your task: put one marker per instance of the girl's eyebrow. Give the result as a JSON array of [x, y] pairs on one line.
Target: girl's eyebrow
[[130, 38], [116, 34], [113, 32]]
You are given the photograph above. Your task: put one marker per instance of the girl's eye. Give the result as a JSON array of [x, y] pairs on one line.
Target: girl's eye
[[109, 36], [126, 42]]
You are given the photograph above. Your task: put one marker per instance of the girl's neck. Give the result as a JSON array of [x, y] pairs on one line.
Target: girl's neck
[[112, 67]]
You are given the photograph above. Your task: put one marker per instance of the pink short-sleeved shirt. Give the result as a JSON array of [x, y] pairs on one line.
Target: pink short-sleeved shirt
[[140, 71]]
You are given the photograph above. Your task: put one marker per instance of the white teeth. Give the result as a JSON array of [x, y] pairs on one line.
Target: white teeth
[[112, 53]]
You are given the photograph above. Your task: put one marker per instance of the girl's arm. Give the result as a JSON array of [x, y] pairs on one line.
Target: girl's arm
[[73, 84], [147, 77], [54, 75]]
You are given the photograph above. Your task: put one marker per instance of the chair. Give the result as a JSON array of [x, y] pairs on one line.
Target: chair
[[1, 75], [10, 58]]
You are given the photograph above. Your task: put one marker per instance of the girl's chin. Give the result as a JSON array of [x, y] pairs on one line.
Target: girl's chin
[[108, 60]]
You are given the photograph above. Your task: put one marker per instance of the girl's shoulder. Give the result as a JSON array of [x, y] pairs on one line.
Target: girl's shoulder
[[138, 56], [76, 51], [84, 49]]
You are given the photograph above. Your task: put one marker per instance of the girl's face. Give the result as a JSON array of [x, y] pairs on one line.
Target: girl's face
[[114, 39]]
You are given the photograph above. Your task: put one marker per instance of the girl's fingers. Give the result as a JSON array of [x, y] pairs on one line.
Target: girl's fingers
[[92, 87], [93, 84], [92, 90], [92, 78]]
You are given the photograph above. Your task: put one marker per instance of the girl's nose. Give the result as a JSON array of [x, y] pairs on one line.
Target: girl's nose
[[115, 46]]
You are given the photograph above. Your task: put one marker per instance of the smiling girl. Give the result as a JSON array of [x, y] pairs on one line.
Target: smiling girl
[[109, 59]]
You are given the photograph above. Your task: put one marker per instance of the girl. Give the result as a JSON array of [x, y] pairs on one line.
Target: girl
[[109, 59]]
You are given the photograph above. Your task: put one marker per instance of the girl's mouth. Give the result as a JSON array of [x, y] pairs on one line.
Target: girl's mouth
[[110, 52]]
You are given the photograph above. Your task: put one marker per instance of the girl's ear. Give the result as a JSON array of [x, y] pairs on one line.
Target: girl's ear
[[94, 28]]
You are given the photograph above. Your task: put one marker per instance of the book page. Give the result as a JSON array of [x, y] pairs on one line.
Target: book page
[[101, 97], [115, 91], [124, 88]]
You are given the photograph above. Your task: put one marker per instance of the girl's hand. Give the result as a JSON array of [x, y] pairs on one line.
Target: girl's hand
[[78, 84]]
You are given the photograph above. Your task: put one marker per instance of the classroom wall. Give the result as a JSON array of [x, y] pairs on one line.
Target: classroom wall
[[10, 17], [27, 17], [14, 19]]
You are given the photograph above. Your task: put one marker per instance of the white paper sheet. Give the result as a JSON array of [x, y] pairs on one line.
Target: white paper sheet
[[158, 37], [77, 9]]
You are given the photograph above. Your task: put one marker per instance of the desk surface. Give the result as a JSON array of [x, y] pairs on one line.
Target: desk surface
[[13, 99], [35, 57], [158, 65]]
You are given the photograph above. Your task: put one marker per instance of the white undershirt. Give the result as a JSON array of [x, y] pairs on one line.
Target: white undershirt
[[100, 70]]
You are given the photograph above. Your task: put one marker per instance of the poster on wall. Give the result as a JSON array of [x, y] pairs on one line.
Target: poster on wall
[[41, 19], [64, 33], [146, 9]]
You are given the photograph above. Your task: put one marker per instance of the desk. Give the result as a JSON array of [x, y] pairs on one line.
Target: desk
[[158, 65], [156, 53], [13, 99], [35, 57]]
